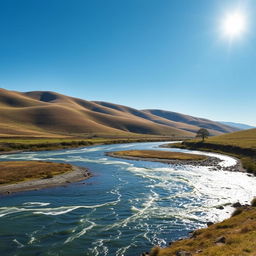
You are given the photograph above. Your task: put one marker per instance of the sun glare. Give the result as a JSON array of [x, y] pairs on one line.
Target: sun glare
[[234, 24]]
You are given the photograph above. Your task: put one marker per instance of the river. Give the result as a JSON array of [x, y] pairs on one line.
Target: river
[[124, 209]]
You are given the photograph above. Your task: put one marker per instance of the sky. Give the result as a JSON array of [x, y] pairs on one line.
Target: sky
[[164, 54]]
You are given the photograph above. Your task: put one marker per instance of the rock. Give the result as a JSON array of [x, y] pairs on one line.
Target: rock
[[220, 240], [183, 253], [236, 205], [209, 223], [220, 207]]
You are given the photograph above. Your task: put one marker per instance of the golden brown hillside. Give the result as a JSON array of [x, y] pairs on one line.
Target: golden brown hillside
[[50, 114]]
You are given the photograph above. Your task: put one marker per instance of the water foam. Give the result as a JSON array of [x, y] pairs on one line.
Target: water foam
[[52, 211], [81, 233], [35, 204]]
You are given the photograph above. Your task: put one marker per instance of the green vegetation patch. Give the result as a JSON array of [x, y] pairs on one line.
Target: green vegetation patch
[[17, 171]]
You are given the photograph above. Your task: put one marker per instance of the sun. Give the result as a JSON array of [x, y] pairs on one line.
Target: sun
[[234, 24]]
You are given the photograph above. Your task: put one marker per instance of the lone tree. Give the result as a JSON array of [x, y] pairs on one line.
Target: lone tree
[[202, 133]]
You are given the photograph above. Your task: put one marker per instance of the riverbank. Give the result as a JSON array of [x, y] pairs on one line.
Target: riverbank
[[18, 145], [176, 159], [35, 175], [235, 236], [246, 157]]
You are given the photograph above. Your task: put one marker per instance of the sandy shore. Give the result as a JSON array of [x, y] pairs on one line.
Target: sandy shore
[[78, 174], [210, 161]]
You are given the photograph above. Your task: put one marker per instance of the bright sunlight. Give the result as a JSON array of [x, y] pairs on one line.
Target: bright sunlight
[[234, 24]]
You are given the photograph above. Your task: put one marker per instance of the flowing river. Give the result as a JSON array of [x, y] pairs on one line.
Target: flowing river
[[126, 208]]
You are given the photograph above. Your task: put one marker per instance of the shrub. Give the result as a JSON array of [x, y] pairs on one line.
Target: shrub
[[249, 164], [253, 202]]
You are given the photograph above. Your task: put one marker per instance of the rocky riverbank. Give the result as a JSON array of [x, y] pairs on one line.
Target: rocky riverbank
[[213, 162], [234, 236]]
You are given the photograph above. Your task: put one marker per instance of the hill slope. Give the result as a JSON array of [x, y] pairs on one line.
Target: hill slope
[[243, 139], [239, 125], [50, 114], [215, 128]]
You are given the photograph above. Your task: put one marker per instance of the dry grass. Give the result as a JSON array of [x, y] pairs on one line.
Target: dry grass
[[17, 171], [157, 154], [239, 231], [243, 139]]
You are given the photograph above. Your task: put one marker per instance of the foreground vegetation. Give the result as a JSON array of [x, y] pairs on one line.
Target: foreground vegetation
[[235, 236], [36, 144], [17, 171], [239, 144], [157, 154]]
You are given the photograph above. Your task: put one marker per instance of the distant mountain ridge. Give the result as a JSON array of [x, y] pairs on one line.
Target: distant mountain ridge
[[238, 125], [192, 121], [50, 114]]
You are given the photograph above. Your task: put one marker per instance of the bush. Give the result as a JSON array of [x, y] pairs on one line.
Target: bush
[[253, 202], [249, 164]]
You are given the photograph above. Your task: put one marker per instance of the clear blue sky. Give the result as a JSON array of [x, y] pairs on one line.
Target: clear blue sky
[[165, 54]]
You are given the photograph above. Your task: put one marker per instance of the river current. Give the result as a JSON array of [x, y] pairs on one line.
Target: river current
[[127, 207]]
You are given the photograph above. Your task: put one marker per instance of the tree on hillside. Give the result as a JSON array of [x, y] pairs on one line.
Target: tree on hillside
[[202, 133]]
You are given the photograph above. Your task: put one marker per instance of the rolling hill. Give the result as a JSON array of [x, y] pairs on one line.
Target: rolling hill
[[239, 125], [215, 128], [50, 114]]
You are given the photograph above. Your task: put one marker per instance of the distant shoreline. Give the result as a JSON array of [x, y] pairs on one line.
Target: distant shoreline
[[13, 146], [77, 174]]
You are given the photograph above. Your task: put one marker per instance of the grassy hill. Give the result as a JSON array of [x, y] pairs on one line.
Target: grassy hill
[[50, 114], [243, 139]]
